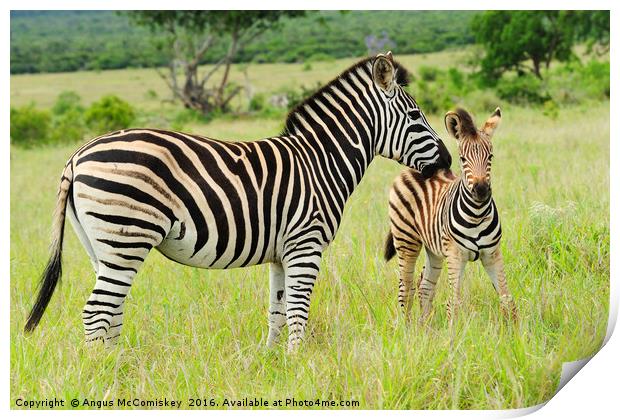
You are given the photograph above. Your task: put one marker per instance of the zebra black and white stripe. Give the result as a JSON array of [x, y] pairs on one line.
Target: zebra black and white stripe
[[219, 204], [451, 217]]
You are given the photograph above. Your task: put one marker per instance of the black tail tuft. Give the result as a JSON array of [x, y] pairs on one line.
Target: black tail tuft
[[49, 280], [53, 271], [390, 251]]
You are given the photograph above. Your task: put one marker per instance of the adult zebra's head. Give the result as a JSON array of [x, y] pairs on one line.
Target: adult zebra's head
[[475, 150], [408, 137]]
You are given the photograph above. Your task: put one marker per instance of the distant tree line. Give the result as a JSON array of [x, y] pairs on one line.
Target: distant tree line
[[63, 41]]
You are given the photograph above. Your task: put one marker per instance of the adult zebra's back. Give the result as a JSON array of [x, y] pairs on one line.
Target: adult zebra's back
[[217, 204]]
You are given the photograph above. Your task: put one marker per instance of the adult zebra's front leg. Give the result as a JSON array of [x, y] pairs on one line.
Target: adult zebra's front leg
[[277, 303], [300, 269]]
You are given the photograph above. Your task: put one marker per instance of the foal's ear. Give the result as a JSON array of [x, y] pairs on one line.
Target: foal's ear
[[383, 71], [492, 123], [459, 124]]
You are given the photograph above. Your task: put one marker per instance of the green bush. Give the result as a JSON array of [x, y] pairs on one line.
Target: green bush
[[429, 74], [295, 96], [576, 82], [439, 90], [258, 102], [483, 101], [188, 116], [320, 56], [67, 101], [523, 89], [595, 77], [68, 127], [551, 109], [109, 113], [29, 126]]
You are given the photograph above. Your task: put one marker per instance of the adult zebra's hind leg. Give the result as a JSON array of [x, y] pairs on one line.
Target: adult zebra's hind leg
[[300, 272], [103, 312], [277, 303]]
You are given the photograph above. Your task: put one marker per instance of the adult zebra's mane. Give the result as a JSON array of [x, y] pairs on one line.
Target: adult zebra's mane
[[299, 112]]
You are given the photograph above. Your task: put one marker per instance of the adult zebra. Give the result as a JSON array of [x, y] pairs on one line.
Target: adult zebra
[[452, 217], [216, 204]]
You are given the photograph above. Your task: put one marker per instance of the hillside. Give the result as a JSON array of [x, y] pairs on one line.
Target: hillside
[[62, 41]]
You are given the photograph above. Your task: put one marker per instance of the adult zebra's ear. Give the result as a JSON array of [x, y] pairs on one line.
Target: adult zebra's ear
[[383, 72], [492, 123]]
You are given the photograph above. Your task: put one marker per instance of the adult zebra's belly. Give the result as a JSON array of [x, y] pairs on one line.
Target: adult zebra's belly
[[220, 250]]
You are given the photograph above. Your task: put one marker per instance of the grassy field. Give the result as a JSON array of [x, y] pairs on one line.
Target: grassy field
[[193, 333]]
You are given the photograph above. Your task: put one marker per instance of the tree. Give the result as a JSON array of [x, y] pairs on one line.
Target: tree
[[190, 34], [593, 28], [514, 38]]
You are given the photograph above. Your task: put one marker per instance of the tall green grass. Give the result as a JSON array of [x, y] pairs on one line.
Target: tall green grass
[[192, 333]]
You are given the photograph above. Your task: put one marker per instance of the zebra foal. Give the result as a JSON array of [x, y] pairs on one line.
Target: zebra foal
[[453, 218], [219, 204]]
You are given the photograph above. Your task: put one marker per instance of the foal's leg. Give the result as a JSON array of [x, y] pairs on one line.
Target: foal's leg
[[494, 265], [428, 283], [407, 256], [456, 268]]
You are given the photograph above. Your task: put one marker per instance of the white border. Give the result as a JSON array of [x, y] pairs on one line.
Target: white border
[[595, 390]]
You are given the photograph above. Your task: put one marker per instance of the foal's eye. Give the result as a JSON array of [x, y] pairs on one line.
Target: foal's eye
[[414, 115], [462, 159]]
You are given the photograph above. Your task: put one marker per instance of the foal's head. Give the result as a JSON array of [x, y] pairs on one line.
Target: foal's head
[[475, 150]]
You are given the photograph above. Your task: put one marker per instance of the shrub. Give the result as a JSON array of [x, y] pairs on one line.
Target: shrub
[[320, 56], [428, 74], [522, 89], [482, 101], [296, 96], [29, 126], [187, 116], [551, 109], [258, 102], [151, 94], [68, 127], [67, 101], [575, 83], [595, 77], [109, 113]]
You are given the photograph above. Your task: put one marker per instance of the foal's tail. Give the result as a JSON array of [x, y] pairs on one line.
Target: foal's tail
[[53, 271], [390, 251]]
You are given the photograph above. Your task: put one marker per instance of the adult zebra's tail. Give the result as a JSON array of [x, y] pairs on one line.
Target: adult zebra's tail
[[53, 271], [390, 251]]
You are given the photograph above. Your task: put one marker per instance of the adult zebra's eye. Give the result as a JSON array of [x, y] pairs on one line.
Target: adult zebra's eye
[[414, 115]]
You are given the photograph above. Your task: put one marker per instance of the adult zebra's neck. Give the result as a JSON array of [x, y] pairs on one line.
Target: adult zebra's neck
[[339, 125]]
